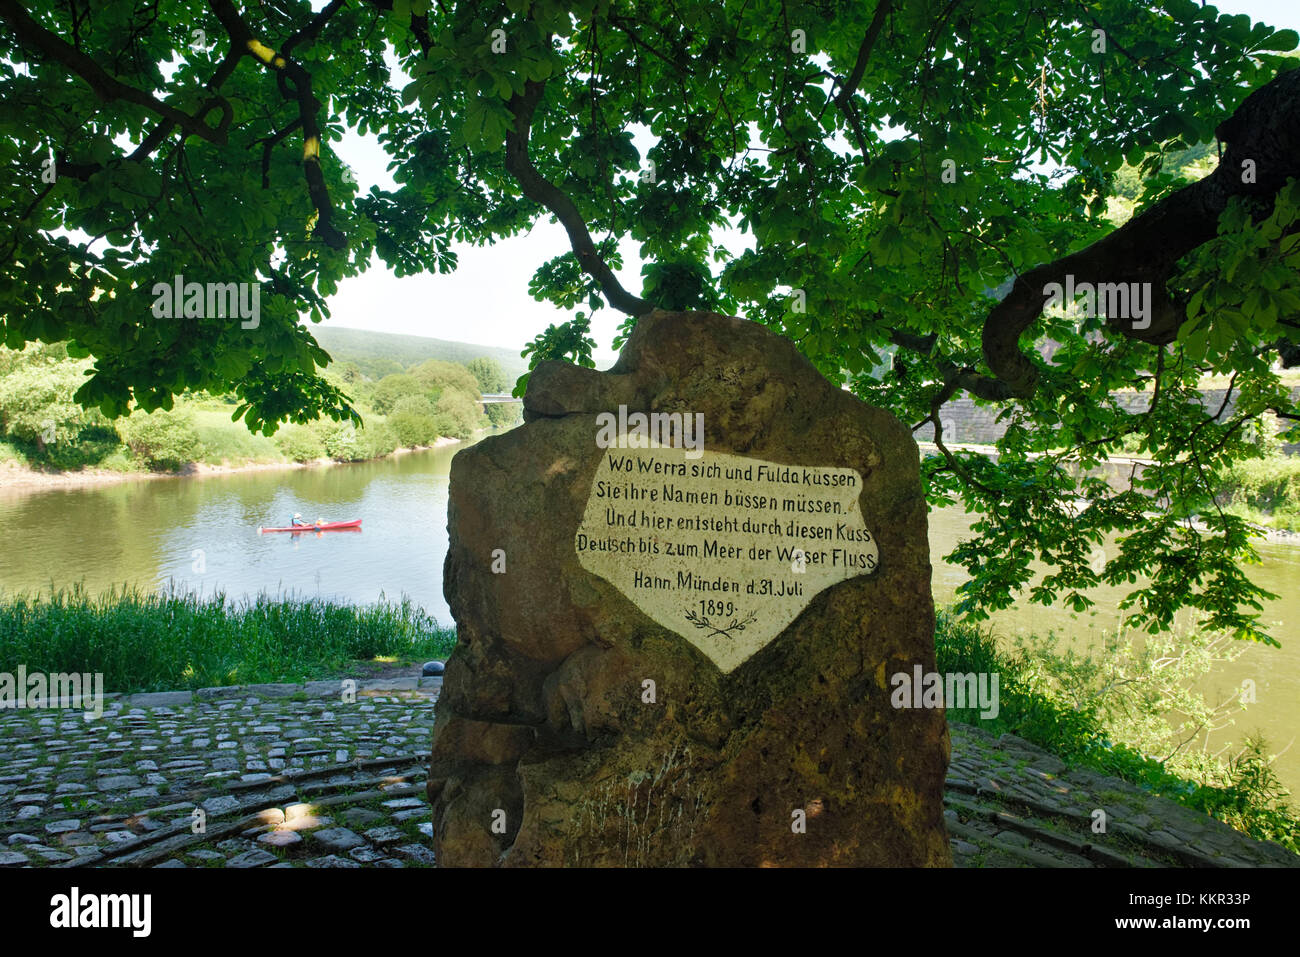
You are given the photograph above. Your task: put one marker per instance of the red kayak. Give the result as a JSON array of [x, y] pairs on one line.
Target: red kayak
[[354, 525]]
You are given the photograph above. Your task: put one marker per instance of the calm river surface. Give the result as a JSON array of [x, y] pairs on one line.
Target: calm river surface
[[201, 534]]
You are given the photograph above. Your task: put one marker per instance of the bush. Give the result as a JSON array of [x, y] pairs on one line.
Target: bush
[[504, 415], [299, 443], [1266, 489], [36, 402], [162, 440], [391, 389], [413, 421], [491, 377], [413, 405], [1111, 710], [341, 440], [378, 438], [412, 430], [457, 415], [436, 376]]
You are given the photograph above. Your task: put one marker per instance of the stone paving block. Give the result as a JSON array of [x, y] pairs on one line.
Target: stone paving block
[[337, 839], [118, 782], [222, 804], [280, 839], [376, 686], [218, 694], [160, 699], [361, 816], [417, 853], [254, 858], [399, 804], [52, 856], [385, 835]]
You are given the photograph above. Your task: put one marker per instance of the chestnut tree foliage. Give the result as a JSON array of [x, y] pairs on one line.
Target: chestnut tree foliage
[[909, 177]]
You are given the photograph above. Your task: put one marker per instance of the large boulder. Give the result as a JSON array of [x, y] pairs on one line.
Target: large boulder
[[600, 709]]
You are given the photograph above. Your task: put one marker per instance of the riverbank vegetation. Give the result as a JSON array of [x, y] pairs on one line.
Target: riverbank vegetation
[[1113, 710], [1107, 710], [162, 642], [1264, 491], [42, 427]]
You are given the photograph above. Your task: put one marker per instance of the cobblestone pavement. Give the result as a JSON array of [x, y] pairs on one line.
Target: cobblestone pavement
[[1011, 804], [272, 776], [296, 776]]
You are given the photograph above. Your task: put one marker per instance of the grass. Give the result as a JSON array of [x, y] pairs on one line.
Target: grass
[[157, 642], [230, 442], [1252, 801]]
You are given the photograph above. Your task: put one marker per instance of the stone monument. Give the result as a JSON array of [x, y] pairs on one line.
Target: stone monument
[[681, 589]]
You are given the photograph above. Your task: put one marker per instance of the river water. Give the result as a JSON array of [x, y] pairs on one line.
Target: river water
[[200, 534]]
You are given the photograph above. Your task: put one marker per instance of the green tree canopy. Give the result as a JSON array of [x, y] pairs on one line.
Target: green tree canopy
[[437, 376], [36, 404], [909, 177], [457, 415], [392, 388], [491, 377]]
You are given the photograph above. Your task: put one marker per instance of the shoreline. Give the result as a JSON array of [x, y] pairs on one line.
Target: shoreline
[[22, 478], [19, 478]]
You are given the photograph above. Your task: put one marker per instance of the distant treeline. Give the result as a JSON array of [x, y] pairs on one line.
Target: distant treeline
[[42, 427], [378, 354]]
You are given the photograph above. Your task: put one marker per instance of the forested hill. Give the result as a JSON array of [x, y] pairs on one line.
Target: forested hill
[[378, 354]]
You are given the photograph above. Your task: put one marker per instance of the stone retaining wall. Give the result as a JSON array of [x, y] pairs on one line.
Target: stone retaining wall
[[971, 423]]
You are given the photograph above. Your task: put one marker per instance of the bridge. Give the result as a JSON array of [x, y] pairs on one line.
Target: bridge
[[498, 397]]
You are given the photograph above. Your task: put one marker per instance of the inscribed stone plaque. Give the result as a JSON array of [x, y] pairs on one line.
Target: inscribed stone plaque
[[724, 550], [642, 676]]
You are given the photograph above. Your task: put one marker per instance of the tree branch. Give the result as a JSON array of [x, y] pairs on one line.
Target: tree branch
[[864, 55], [954, 377], [547, 194], [1265, 130], [242, 39], [159, 133], [105, 86], [419, 24]]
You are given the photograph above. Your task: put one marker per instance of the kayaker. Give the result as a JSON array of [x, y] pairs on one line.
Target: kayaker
[[298, 522]]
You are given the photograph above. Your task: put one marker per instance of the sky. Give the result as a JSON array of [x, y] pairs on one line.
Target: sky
[[486, 301]]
